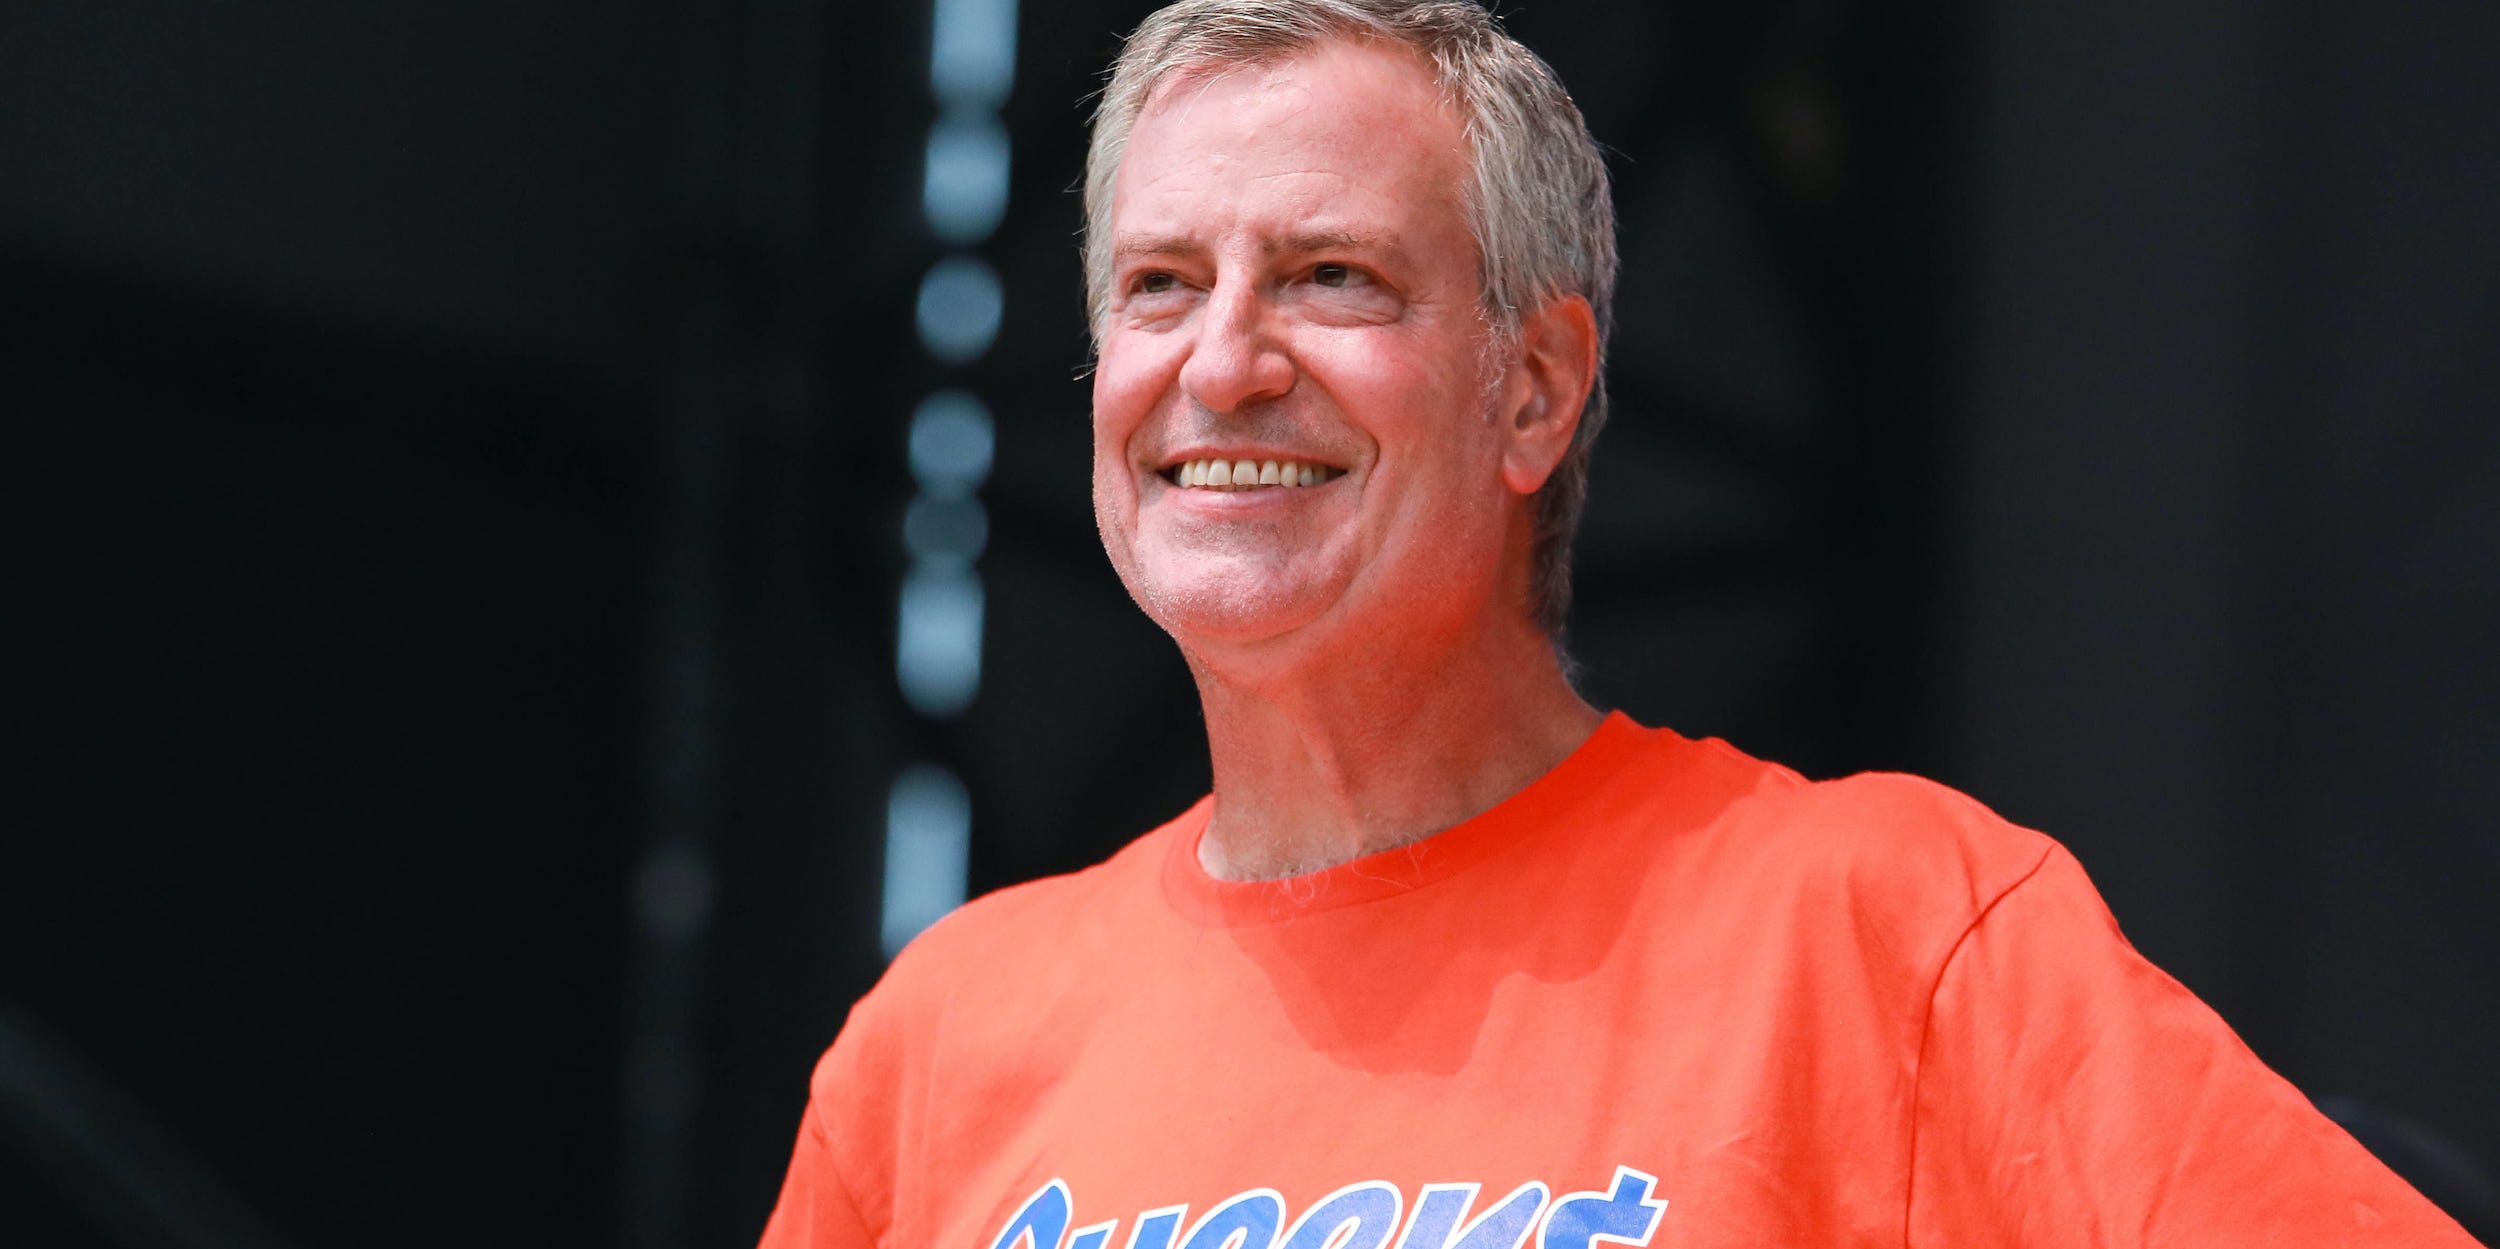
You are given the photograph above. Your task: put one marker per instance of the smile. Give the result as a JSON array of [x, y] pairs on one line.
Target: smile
[[1248, 474]]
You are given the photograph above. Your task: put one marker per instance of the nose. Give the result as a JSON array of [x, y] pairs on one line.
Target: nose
[[1237, 359]]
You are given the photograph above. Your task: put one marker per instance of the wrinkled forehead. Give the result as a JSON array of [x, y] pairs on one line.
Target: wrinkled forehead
[[1349, 133], [1196, 74]]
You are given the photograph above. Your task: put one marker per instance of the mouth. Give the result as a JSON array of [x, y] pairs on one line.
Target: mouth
[[1235, 475]]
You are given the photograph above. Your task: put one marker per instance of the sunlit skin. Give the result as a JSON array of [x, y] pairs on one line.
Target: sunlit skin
[[1294, 280]]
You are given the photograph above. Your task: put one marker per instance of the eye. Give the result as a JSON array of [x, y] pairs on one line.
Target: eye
[[1153, 282], [1337, 275]]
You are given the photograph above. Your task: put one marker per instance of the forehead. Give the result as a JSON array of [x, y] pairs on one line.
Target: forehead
[[1344, 129]]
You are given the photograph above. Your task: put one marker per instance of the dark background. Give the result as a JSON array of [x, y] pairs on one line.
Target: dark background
[[458, 510]]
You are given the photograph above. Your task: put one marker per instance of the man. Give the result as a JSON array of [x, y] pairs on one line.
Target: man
[[1448, 958]]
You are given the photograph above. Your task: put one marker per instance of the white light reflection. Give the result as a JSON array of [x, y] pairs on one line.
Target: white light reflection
[[963, 185], [972, 52], [959, 309], [937, 646], [952, 442], [928, 843]]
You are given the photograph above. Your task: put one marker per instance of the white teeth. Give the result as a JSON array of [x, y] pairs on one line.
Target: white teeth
[[1248, 474]]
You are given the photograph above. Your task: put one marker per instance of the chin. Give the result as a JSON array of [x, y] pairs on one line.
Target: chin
[[1244, 607]]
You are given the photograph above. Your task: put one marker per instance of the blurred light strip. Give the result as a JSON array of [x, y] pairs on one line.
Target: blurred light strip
[[959, 309], [963, 186], [928, 843], [972, 52], [952, 444], [938, 648], [941, 607]]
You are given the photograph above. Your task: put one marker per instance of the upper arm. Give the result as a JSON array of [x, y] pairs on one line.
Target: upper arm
[[2069, 1092]]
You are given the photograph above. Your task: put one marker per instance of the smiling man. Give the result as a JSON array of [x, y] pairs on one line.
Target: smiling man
[[1288, 279], [1448, 959]]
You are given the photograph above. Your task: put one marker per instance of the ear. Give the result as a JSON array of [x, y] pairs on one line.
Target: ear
[[1548, 386]]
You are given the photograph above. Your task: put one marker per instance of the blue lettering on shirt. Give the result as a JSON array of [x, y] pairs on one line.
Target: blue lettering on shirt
[[1043, 1219], [1362, 1216], [1627, 1216]]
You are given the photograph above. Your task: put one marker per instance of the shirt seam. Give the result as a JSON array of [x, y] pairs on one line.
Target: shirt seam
[[1927, 1028]]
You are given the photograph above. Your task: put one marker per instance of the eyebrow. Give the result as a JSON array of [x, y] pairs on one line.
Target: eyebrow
[[1375, 243], [1128, 247]]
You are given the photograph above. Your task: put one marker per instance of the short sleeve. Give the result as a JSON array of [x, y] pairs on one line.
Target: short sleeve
[[815, 1210], [2070, 1093]]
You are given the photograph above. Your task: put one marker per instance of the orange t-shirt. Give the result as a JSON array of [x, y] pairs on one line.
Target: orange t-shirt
[[1667, 994]]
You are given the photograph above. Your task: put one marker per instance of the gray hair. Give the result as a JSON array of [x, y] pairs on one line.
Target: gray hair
[[1539, 205]]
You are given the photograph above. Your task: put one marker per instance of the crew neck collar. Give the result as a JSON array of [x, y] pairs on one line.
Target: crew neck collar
[[1535, 807]]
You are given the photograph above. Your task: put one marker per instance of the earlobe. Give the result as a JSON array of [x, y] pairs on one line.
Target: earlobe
[[1556, 370]]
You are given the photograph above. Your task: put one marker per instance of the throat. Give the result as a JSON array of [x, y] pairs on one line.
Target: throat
[[1297, 792]]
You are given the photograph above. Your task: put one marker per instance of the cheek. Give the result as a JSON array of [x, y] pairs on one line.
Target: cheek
[[1111, 422], [1116, 504], [1428, 425], [1123, 394], [1130, 374], [1440, 454], [1116, 416], [1402, 375]]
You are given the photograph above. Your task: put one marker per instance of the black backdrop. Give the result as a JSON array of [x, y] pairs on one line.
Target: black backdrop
[[460, 507]]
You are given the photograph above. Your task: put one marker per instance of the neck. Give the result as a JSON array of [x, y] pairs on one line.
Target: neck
[[1317, 768]]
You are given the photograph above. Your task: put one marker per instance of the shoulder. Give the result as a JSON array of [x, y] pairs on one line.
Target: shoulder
[[1886, 836], [977, 1005], [987, 1002], [1908, 822], [1897, 853], [1013, 941], [1880, 822]]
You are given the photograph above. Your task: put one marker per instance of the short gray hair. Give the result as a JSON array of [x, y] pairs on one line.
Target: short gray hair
[[1539, 204]]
